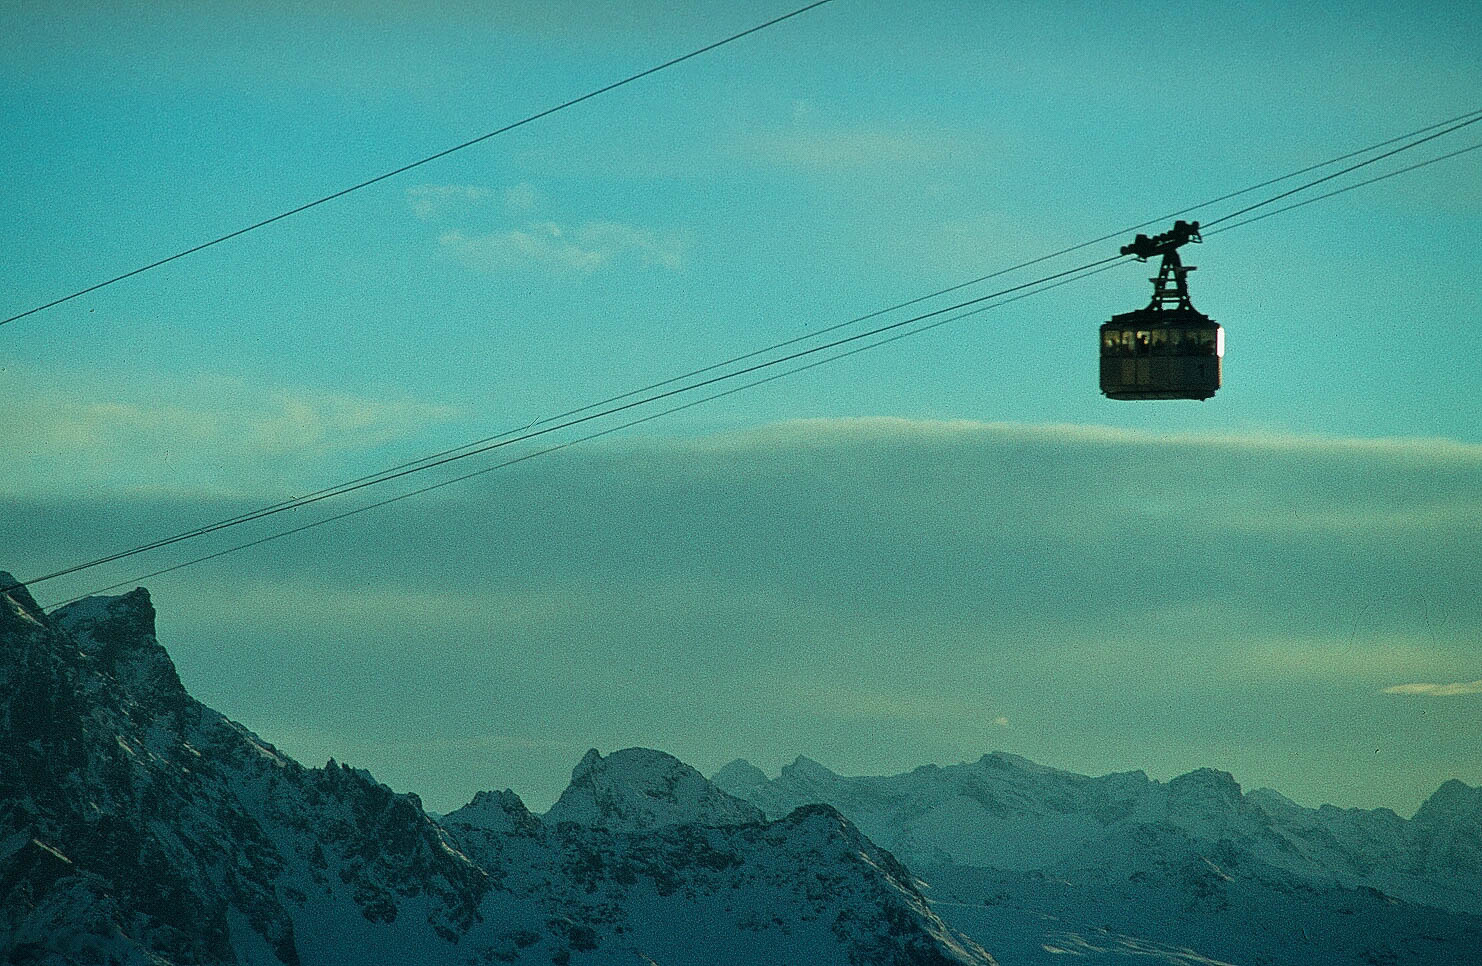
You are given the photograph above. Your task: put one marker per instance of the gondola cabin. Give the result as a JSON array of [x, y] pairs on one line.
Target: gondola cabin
[[1150, 355], [1168, 350]]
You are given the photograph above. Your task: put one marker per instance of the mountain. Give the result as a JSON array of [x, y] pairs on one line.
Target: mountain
[[640, 790], [138, 826], [1050, 863], [640, 846], [1433, 858]]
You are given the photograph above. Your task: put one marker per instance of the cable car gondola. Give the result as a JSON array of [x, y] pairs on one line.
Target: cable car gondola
[[1169, 350]]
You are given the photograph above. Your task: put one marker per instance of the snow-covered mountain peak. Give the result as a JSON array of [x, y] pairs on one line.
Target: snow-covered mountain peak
[[639, 788], [118, 634], [126, 613], [1454, 801], [1007, 761], [140, 831], [1205, 787], [501, 812], [1272, 801], [739, 774], [139, 826], [804, 768]]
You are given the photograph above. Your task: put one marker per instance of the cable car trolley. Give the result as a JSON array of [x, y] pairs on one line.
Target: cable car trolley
[[1169, 350]]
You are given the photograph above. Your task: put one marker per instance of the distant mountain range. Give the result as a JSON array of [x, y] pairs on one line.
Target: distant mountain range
[[1037, 863], [138, 826]]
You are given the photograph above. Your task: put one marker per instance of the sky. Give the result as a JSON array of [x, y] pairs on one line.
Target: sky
[[942, 547]]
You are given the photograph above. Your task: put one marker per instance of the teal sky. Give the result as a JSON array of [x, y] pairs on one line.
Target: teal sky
[[943, 547]]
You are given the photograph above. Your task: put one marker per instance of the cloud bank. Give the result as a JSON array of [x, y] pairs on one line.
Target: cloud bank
[[878, 592]]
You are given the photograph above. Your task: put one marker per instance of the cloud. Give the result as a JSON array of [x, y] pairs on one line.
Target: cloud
[[1339, 654], [1414, 450], [1437, 690], [1419, 450], [582, 249], [183, 433], [775, 589], [296, 420], [521, 197], [431, 201], [551, 245]]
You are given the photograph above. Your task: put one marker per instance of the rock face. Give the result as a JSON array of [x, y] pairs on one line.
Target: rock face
[[139, 826], [807, 888], [1128, 867]]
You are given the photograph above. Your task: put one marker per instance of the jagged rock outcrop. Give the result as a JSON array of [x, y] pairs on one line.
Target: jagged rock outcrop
[[139, 826], [144, 826]]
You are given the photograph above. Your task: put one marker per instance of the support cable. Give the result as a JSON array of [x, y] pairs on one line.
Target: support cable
[[565, 424], [492, 443], [773, 377], [421, 161], [1347, 187], [1337, 174], [480, 445]]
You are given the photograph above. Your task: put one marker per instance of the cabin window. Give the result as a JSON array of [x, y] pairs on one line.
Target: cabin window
[[1117, 342], [1198, 342]]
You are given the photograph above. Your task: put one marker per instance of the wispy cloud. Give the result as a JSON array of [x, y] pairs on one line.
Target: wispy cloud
[[835, 431], [581, 249], [189, 432], [521, 197], [1437, 690], [547, 244], [292, 420], [431, 201]]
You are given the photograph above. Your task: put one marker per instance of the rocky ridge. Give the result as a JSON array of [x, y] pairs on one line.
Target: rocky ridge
[[139, 826]]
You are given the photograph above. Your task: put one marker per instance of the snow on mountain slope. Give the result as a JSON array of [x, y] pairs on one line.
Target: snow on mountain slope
[[1122, 866], [138, 826], [1007, 812], [137, 823], [807, 888], [1003, 810], [638, 789], [1194, 911], [1433, 858]]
